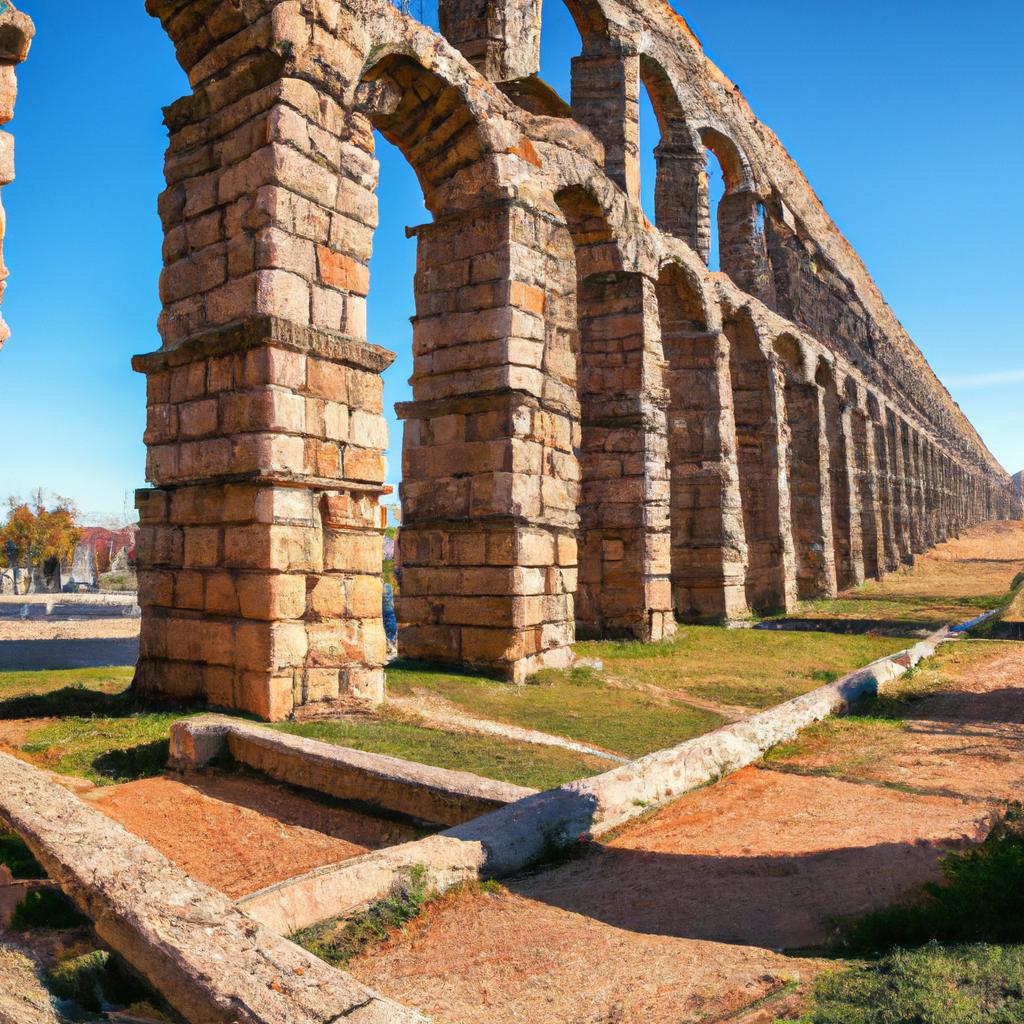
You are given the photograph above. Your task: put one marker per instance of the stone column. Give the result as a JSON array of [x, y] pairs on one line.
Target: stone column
[[606, 98], [16, 32], [681, 200], [900, 488], [625, 544], [708, 548], [261, 542], [810, 490], [500, 38], [868, 489], [845, 493], [761, 448], [743, 251], [915, 471]]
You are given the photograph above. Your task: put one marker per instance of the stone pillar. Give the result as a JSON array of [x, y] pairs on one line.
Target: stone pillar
[[16, 32], [869, 490], [845, 493], [708, 548], [606, 98], [810, 490], [761, 449], [900, 489], [500, 38], [261, 542], [743, 251], [681, 200], [915, 473], [886, 491], [625, 544], [489, 550]]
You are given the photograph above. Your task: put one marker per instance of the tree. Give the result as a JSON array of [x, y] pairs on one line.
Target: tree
[[34, 533]]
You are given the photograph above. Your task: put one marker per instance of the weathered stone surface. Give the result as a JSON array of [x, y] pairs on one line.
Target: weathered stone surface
[[211, 961], [23, 1000], [604, 435]]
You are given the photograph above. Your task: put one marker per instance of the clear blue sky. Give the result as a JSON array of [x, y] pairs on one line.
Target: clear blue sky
[[906, 117]]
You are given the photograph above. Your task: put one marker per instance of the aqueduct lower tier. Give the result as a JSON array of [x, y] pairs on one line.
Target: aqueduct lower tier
[[605, 436]]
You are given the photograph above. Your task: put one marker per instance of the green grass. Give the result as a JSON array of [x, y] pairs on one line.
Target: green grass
[[578, 704], [97, 680], [523, 764], [106, 751], [977, 984], [17, 857]]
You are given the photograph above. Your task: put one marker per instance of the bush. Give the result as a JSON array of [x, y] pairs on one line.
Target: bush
[[46, 908], [976, 984]]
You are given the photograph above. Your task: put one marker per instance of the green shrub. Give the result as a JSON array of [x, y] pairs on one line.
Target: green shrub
[[975, 984], [81, 980]]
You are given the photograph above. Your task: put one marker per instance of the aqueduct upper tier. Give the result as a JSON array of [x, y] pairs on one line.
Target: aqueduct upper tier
[[605, 436]]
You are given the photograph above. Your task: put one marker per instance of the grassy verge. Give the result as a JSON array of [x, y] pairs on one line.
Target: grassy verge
[[861, 745], [524, 764], [88, 726]]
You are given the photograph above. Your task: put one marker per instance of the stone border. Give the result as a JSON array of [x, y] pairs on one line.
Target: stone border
[[508, 840], [429, 794], [213, 963]]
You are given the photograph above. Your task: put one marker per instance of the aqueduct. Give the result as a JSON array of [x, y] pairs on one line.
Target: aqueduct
[[606, 436]]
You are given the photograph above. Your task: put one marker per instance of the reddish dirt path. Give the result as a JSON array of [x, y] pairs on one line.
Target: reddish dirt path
[[238, 833], [679, 917]]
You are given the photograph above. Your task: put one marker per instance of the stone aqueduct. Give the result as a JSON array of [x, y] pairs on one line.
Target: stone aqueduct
[[604, 436]]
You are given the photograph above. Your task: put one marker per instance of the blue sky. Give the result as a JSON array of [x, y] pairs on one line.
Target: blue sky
[[906, 117]]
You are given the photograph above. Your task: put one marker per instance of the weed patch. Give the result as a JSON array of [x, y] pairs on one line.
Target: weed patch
[[339, 942]]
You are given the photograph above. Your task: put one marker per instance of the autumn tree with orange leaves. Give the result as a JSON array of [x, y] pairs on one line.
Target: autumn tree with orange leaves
[[34, 533]]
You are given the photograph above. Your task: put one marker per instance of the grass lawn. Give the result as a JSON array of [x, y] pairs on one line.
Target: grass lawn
[[524, 764], [629, 707], [83, 723]]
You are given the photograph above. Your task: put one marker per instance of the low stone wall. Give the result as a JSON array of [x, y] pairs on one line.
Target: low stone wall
[[212, 962], [506, 841], [420, 791]]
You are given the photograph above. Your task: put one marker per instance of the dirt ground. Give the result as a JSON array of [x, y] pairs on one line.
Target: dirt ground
[[239, 833], [983, 561], [84, 629], [681, 917]]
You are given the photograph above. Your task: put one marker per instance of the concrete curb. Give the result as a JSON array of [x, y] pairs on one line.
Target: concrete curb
[[526, 832]]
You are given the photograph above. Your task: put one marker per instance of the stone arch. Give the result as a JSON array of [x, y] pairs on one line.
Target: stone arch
[[847, 536]]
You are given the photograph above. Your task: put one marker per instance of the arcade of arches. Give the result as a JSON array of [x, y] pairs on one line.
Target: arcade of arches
[[605, 437]]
